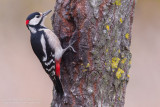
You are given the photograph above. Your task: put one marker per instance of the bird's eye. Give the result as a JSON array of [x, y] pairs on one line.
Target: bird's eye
[[37, 16]]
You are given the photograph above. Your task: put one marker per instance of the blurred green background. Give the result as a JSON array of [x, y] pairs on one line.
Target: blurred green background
[[23, 82]]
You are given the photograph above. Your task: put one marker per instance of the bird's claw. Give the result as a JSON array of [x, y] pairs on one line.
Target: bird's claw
[[72, 46]]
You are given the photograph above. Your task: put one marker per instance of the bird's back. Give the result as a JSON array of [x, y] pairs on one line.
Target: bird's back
[[44, 53]]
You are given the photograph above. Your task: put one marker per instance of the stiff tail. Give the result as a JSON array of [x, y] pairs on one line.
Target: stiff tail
[[58, 85]]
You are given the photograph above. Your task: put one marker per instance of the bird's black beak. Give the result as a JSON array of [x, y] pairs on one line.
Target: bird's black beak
[[46, 13]]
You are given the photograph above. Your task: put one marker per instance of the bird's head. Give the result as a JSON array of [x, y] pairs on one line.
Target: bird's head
[[36, 19]]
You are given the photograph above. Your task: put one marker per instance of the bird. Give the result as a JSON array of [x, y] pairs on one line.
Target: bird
[[47, 47]]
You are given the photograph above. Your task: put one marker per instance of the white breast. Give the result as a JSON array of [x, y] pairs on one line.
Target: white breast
[[54, 43]]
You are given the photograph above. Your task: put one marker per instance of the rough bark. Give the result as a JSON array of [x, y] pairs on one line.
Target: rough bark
[[97, 75]]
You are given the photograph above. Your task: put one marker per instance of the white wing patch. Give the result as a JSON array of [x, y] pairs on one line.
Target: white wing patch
[[48, 63], [50, 69], [43, 42]]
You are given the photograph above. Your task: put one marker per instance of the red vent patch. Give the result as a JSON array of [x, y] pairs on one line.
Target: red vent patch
[[27, 22]]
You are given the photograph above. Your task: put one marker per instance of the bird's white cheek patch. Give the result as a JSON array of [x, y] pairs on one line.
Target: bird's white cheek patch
[[34, 21]]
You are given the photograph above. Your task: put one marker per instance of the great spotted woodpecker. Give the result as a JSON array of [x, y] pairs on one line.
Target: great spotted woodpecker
[[47, 47]]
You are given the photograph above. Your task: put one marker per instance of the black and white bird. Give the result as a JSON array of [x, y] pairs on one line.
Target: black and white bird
[[47, 47]]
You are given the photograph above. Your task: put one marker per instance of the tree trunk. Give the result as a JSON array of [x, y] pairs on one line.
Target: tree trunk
[[97, 75]]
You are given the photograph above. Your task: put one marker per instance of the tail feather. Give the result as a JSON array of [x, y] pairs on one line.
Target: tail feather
[[58, 85]]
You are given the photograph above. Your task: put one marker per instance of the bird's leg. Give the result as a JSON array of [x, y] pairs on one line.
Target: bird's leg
[[59, 61], [70, 46]]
